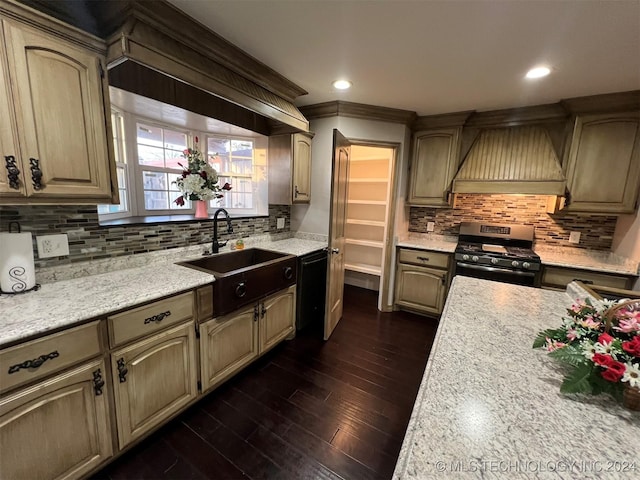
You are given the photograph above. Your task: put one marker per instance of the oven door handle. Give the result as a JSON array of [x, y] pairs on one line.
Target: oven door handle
[[485, 268]]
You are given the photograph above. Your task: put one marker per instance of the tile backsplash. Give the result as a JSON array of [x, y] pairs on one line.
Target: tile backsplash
[[88, 240], [596, 231]]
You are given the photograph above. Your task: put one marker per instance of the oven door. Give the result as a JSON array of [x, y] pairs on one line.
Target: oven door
[[497, 274]]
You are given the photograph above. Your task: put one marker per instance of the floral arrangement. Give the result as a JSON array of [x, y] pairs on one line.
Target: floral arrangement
[[199, 180], [602, 357]]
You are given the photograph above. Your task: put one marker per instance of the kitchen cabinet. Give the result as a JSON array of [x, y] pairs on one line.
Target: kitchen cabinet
[[290, 169], [54, 104], [232, 341], [57, 428], [227, 344], [153, 379], [559, 277], [421, 280], [604, 146], [434, 162]]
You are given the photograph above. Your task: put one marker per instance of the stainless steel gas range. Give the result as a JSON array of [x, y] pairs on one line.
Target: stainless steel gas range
[[498, 252]]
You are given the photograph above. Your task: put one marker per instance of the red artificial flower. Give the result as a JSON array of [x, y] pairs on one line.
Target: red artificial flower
[[632, 346], [185, 151], [196, 139], [185, 173], [603, 360], [612, 375], [203, 174], [226, 186], [605, 338], [179, 200]]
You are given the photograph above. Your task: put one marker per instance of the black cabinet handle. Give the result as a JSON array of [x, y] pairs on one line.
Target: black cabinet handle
[[263, 311], [36, 174], [256, 313], [157, 318], [424, 259], [98, 382], [122, 371], [35, 363], [297, 192], [13, 174]]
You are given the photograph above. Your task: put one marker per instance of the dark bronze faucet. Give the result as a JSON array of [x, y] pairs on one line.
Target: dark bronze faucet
[[216, 245]]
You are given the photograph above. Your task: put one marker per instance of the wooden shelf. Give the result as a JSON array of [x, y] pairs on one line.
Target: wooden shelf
[[369, 180], [364, 243], [363, 268], [371, 223], [367, 202]]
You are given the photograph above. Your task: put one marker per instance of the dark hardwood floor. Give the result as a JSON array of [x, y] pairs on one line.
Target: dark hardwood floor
[[309, 409]]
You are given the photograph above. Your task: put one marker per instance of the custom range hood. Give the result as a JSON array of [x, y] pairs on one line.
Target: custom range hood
[[510, 160]]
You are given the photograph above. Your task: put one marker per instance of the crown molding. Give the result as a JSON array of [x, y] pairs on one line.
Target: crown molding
[[608, 102], [339, 108]]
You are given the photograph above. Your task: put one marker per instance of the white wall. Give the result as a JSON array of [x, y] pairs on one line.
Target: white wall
[[314, 218], [626, 239]]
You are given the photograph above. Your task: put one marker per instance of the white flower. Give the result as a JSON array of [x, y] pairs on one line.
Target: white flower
[[192, 183], [632, 374], [604, 348], [588, 349]]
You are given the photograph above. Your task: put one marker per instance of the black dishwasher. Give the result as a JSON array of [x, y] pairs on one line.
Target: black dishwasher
[[311, 290]]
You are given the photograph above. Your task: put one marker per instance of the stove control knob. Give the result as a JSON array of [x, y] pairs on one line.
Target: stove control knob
[[474, 258], [515, 264], [465, 257], [495, 261], [526, 265]]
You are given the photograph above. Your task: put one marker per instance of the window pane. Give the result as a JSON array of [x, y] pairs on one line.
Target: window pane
[[241, 148], [218, 146], [121, 177], [152, 156], [173, 157], [154, 181], [148, 135], [156, 200], [172, 204], [175, 140]]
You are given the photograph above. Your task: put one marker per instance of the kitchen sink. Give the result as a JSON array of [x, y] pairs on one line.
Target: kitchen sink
[[244, 276]]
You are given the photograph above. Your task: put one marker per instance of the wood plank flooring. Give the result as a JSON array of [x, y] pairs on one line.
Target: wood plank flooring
[[307, 410]]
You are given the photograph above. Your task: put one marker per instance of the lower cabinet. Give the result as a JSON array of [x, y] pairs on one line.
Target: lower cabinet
[[227, 344], [153, 379], [230, 342], [560, 277], [421, 288], [58, 428]]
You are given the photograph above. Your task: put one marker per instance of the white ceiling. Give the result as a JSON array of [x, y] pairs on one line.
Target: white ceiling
[[436, 56]]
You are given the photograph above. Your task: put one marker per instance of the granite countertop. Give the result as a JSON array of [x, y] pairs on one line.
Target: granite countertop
[[489, 405], [74, 293], [587, 260], [433, 242]]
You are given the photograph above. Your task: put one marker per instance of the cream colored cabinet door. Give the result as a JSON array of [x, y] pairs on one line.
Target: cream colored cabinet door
[[153, 379], [227, 344], [277, 318], [301, 168], [603, 167], [58, 96], [419, 288], [11, 171], [434, 163], [58, 428]]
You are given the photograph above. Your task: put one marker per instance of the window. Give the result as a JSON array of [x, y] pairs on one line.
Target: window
[[159, 155], [120, 153], [147, 184]]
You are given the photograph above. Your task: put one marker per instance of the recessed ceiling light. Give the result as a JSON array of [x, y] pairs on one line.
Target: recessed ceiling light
[[342, 84], [538, 72]]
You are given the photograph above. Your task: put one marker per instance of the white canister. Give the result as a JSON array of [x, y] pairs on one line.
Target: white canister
[[17, 269]]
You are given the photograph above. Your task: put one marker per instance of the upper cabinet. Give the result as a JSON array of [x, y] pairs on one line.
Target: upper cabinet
[[54, 102], [433, 165], [603, 163], [290, 169]]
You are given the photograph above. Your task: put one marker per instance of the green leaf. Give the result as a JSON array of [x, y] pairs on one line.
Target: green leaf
[[554, 334], [578, 380], [571, 355]]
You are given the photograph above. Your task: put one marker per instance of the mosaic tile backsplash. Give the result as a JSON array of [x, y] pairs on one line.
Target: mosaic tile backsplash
[[552, 230], [89, 241]]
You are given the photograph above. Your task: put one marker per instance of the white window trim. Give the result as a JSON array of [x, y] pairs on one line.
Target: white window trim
[[125, 152]]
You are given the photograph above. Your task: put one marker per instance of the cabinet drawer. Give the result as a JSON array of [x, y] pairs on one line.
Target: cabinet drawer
[[33, 360], [560, 277], [424, 258], [150, 318]]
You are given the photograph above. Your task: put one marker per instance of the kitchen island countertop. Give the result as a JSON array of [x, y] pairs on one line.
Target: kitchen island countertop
[[489, 405], [72, 294]]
